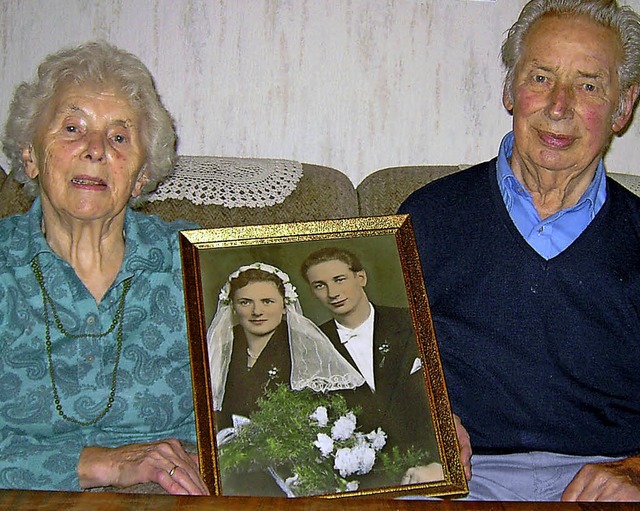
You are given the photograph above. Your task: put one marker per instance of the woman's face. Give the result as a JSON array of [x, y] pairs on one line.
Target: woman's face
[[87, 154], [259, 307]]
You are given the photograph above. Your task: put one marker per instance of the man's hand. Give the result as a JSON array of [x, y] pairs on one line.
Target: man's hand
[[465, 446], [165, 463], [614, 481]]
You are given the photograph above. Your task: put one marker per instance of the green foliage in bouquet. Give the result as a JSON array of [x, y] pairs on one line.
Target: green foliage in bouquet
[[281, 436], [311, 439]]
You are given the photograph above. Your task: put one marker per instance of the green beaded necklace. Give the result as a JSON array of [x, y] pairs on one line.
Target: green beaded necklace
[[117, 320]]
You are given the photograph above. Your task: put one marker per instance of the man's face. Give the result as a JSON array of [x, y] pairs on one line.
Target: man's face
[[338, 288], [565, 95]]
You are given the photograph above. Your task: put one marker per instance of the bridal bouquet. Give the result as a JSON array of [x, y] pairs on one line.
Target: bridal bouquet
[[310, 443]]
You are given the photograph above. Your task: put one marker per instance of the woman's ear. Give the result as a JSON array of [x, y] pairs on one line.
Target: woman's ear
[[30, 163], [140, 183]]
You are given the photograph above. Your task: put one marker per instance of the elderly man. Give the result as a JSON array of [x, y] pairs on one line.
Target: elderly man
[[532, 266]]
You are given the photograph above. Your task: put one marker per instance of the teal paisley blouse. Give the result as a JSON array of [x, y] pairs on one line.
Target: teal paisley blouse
[[153, 399]]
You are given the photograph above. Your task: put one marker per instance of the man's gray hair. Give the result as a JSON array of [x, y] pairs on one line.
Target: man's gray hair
[[96, 64], [622, 20]]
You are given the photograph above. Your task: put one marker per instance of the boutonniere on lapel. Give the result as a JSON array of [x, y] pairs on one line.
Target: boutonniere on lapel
[[383, 349]]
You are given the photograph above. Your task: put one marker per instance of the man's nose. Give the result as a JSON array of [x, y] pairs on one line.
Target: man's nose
[[561, 102], [332, 291]]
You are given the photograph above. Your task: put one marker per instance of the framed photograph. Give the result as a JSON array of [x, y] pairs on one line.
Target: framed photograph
[[314, 362]]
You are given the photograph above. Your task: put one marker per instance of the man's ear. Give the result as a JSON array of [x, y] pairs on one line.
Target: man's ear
[[506, 99], [621, 120], [30, 162], [362, 275]]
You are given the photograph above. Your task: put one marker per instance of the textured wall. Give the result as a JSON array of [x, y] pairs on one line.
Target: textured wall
[[354, 84]]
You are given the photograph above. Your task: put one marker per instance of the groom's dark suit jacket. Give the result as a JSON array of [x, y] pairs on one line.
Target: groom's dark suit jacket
[[399, 404]]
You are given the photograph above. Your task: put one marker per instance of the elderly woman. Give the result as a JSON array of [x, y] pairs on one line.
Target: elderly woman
[[96, 387]]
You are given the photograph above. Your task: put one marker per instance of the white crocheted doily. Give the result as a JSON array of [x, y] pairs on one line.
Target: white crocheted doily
[[230, 182]]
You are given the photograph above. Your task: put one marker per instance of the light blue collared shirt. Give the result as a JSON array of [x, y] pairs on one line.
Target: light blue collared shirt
[[550, 236]]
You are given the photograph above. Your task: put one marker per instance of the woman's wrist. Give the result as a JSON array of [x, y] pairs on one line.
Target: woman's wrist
[[93, 467]]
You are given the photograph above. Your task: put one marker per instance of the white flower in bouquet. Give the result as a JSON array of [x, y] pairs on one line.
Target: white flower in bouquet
[[354, 460], [378, 439], [321, 416], [344, 427], [325, 443], [352, 486]]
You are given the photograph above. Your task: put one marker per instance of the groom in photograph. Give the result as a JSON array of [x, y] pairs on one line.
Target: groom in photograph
[[380, 343]]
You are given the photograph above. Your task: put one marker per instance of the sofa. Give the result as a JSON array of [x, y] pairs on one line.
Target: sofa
[[316, 192], [200, 190]]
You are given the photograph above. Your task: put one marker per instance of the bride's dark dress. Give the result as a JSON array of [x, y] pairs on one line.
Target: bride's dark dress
[[245, 385], [243, 388]]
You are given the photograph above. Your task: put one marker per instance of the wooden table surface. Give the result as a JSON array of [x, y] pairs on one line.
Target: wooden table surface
[[70, 501]]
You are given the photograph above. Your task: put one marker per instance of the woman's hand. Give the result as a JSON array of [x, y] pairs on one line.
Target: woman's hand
[[165, 462], [465, 446]]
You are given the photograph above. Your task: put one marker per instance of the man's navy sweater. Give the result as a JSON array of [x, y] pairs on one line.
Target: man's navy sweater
[[538, 355]]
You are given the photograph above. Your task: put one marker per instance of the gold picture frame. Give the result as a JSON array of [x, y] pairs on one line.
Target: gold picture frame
[[387, 249]]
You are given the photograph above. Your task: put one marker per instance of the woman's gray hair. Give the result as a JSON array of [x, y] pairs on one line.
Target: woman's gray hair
[[624, 22], [94, 63]]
